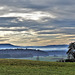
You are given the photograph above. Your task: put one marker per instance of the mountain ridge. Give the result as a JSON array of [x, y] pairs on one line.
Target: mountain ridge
[[39, 46], [10, 46]]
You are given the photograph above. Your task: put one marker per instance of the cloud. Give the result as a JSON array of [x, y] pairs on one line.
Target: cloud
[[30, 16], [41, 21]]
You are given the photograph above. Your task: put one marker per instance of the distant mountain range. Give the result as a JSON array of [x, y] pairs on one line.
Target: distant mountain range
[[8, 46], [56, 46], [12, 51], [49, 46], [14, 46]]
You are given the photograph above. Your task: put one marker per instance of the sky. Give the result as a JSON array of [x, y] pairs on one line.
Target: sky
[[37, 22]]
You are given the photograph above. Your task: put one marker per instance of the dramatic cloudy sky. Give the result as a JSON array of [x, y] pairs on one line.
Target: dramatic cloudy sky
[[37, 22]]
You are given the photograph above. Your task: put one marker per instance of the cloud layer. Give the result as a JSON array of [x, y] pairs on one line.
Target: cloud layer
[[37, 22]]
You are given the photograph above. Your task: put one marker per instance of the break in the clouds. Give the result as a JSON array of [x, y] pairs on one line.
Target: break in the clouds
[[37, 22]]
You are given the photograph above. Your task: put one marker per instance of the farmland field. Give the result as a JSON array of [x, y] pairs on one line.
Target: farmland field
[[28, 67]]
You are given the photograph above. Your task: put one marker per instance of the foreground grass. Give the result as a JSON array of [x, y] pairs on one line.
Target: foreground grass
[[28, 67]]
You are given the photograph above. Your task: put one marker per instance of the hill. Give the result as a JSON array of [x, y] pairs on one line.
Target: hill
[[34, 46], [46, 46], [57, 52], [12, 51], [21, 53], [57, 46], [4, 46], [14, 46]]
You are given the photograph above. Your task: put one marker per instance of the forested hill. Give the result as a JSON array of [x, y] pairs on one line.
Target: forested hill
[[20, 53]]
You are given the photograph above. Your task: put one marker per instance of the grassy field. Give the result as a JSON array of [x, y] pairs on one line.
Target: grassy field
[[28, 67]]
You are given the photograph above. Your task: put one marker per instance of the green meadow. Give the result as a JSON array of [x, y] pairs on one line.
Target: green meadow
[[29, 67]]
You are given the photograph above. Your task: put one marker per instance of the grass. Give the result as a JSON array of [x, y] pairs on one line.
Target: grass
[[28, 67]]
